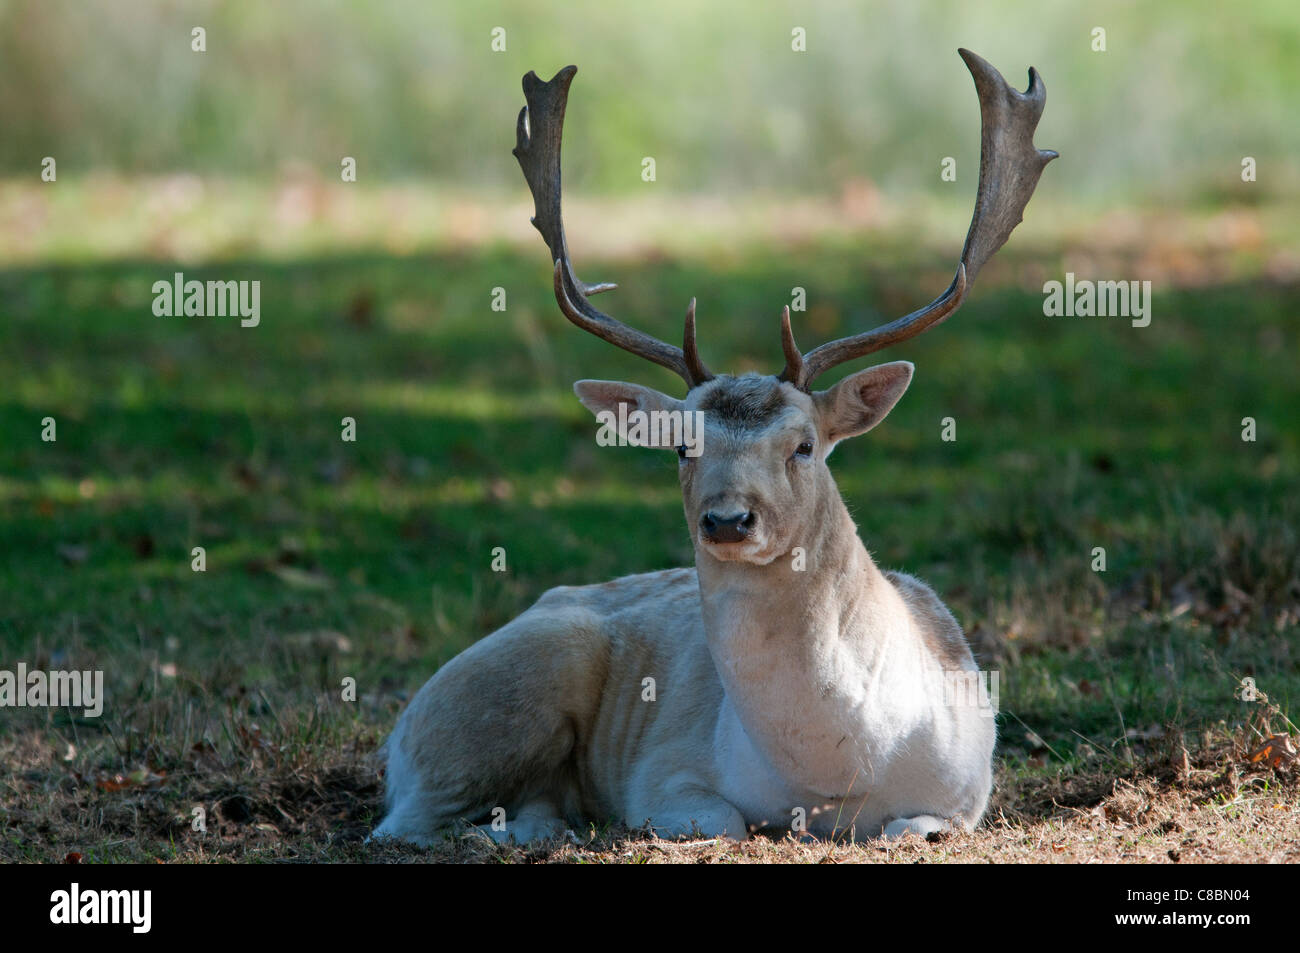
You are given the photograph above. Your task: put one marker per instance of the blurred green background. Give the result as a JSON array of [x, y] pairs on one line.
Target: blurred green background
[[1182, 91], [775, 170]]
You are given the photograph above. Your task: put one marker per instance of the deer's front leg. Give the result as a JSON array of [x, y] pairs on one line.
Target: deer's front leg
[[536, 821], [690, 811]]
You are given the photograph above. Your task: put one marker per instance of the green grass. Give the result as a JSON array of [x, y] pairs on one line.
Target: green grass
[[371, 559]]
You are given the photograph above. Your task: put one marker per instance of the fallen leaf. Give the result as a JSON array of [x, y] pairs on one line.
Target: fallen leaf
[[115, 783], [141, 777], [1276, 752]]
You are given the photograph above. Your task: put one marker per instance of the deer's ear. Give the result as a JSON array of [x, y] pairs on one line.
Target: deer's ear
[[861, 400], [618, 405]]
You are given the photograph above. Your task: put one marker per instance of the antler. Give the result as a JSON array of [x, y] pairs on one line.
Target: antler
[[1010, 165], [538, 134]]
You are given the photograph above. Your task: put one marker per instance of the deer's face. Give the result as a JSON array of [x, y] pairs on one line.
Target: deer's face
[[751, 450]]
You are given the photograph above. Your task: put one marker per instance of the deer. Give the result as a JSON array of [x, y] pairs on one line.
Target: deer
[[807, 695]]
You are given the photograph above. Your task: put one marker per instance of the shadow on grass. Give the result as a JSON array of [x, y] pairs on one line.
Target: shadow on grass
[[173, 433]]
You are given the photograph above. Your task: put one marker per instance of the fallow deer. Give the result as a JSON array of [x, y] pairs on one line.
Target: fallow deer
[[783, 691]]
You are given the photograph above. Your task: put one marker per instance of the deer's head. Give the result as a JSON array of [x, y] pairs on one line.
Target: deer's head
[[755, 480]]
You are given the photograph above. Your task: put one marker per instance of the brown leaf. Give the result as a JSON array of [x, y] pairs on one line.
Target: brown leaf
[[1275, 752], [141, 777], [116, 783]]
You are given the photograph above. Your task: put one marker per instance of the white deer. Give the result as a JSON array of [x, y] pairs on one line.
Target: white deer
[[783, 682]]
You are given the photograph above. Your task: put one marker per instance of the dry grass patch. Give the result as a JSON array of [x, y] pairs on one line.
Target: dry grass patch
[[264, 803]]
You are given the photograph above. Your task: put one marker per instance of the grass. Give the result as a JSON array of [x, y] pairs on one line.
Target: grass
[[1122, 733]]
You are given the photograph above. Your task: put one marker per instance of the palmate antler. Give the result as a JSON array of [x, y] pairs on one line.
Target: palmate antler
[[1010, 166], [537, 147]]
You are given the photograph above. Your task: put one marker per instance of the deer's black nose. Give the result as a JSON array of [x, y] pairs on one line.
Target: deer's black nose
[[726, 529]]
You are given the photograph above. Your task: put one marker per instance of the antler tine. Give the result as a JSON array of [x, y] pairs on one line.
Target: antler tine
[[690, 352], [538, 134], [793, 357], [1010, 166]]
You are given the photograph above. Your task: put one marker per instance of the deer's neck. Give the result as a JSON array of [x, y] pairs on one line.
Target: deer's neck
[[800, 646]]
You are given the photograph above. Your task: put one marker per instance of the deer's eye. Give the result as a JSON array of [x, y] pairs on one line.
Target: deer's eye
[[804, 449]]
